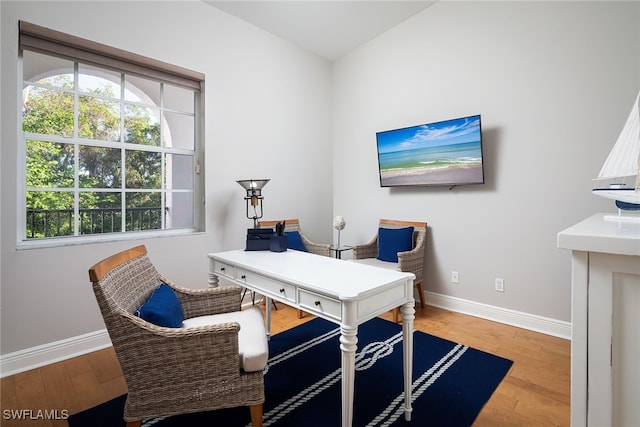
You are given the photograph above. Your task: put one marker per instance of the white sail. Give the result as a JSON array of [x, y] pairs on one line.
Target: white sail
[[618, 179], [623, 158]]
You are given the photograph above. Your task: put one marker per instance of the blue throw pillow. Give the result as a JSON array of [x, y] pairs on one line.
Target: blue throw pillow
[[394, 240], [294, 241], [162, 308]]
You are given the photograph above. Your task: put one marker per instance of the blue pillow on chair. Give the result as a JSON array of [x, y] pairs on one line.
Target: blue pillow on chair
[[394, 240], [162, 308], [294, 241]]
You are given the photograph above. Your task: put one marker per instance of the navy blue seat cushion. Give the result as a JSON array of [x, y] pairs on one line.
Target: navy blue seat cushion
[[294, 241], [162, 308], [394, 240]]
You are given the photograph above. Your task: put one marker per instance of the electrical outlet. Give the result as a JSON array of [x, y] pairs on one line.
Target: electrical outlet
[[499, 285], [454, 277]]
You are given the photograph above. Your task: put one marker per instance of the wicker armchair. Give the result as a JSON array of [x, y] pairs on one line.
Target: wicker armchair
[[171, 371], [294, 225], [409, 261]]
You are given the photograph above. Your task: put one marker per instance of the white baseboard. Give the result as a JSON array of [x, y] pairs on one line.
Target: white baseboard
[[45, 354], [545, 325], [35, 357]]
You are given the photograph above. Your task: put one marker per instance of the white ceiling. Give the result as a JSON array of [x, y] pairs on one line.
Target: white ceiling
[[329, 28]]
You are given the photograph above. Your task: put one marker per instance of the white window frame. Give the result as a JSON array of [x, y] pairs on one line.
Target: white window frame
[[195, 83]]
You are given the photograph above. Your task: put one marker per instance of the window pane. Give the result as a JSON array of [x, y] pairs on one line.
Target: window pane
[[179, 210], [38, 68], [140, 90], [100, 167], [80, 187], [180, 132], [143, 169], [177, 98], [98, 81], [144, 211], [142, 125], [100, 212], [47, 111], [98, 118], [49, 214], [179, 172], [49, 164]]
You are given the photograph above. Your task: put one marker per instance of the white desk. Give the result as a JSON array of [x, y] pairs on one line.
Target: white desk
[[342, 292]]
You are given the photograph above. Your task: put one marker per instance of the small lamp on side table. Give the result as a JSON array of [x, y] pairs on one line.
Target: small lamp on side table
[[338, 224]]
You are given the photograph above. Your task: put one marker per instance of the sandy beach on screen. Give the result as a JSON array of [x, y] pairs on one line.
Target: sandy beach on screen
[[430, 176]]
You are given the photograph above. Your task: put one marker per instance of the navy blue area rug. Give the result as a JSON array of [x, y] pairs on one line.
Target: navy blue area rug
[[451, 382]]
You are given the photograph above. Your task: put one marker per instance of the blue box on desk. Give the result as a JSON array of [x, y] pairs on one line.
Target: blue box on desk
[[278, 243], [258, 239]]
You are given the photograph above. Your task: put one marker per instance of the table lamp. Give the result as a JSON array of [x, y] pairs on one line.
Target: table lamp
[[254, 197]]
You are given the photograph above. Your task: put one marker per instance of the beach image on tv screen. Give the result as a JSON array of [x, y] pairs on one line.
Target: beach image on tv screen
[[442, 153]]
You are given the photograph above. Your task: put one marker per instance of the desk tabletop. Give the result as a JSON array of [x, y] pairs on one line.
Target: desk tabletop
[[339, 278], [596, 234]]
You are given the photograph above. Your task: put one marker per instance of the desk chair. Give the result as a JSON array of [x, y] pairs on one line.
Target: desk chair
[[398, 247]]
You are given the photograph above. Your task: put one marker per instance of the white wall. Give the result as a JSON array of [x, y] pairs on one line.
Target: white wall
[[554, 83], [267, 116]]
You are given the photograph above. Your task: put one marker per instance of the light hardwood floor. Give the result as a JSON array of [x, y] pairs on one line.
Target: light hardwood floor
[[535, 392]]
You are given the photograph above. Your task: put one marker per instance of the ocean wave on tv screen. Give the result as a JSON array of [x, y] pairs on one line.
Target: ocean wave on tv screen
[[469, 153]]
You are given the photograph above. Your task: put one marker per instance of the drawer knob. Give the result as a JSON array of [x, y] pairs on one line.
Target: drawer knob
[[317, 303], [221, 268], [282, 290], [243, 277]]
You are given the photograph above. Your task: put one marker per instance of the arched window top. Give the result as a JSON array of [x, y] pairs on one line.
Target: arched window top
[[65, 46], [140, 97]]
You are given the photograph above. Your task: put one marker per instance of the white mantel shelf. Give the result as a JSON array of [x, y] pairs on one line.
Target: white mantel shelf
[[605, 345], [595, 234]]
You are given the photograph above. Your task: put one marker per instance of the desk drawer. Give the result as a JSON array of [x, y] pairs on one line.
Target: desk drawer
[[222, 269], [320, 304], [269, 286]]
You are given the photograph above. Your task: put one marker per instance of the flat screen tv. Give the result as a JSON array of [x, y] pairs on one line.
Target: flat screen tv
[[447, 153]]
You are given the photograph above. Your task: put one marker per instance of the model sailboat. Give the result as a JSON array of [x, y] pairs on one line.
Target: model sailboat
[[619, 179]]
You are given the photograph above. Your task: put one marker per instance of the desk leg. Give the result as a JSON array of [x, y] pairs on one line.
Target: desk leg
[[408, 314], [213, 280], [348, 345], [268, 322]]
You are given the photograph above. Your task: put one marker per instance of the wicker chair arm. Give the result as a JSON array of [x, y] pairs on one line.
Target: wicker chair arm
[[411, 262], [170, 354], [367, 250], [316, 248], [165, 332], [202, 302]]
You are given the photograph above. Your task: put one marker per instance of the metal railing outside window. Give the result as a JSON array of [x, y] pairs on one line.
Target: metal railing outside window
[[59, 222]]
